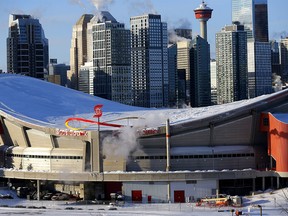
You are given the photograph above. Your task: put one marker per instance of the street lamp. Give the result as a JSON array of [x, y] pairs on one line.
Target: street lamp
[[260, 207]]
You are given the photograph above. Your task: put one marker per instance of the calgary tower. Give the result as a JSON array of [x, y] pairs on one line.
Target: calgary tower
[[203, 14]]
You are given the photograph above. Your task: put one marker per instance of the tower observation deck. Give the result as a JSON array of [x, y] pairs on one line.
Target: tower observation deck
[[203, 14]]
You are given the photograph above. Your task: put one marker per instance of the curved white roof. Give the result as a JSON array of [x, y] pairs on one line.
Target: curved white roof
[[46, 104]]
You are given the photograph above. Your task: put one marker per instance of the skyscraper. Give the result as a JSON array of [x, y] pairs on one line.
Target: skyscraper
[[111, 59], [86, 78], [284, 59], [200, 80], [275, 58], [60, 70], [253, 14], [184, 67], [231, 64], [149, 61], [259, 68], [172, 74], [79, 49], [27, 47]]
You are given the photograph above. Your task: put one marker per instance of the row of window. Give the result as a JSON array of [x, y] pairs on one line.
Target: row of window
[[194, 156], [45, 156]]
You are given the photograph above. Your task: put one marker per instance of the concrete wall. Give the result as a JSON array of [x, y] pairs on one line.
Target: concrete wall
[[16, 133]]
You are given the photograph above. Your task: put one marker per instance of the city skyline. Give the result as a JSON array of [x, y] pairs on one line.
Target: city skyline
[[58, 25]]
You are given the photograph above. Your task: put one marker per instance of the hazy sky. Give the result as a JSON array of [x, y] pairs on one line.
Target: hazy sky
[[58, 17]]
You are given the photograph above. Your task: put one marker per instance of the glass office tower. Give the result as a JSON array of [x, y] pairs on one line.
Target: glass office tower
[[149, 61], [27, 47], [253, 14]]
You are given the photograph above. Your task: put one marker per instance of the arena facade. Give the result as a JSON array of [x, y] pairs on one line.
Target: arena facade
[[184, 154]]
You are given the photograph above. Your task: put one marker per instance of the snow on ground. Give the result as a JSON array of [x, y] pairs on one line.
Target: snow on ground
[[46, 104], [272, 203]]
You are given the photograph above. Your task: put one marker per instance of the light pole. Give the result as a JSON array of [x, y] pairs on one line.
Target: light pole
[[260, 207]]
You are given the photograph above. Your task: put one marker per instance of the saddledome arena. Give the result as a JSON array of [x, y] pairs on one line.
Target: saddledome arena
[[149, 155]]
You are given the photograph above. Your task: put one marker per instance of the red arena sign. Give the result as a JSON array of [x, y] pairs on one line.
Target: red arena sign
[[61, 132]]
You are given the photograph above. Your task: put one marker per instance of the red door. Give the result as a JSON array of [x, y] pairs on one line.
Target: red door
[[136, 196], [149, 199], [179, 196]]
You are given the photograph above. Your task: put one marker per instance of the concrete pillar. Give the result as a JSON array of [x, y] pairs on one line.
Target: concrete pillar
[[278, 182], [168, 159], [96, 160], [217, 188], [38, 190], [263, 183], [253, 184], [169, 192], [168, 145]]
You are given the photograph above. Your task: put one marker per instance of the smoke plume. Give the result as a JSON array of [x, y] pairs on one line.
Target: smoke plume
[[277, 83], [102, 4], [125, 142], [184, 24], [280, 35], [77, 2], [174, 38], [142, 6], [120, 145]]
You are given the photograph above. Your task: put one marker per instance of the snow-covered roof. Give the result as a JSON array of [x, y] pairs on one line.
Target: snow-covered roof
[[47, 104]]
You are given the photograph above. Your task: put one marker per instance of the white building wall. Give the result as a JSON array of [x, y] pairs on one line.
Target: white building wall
[[159, 190]]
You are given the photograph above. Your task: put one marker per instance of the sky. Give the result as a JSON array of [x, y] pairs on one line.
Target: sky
[[58, 17]]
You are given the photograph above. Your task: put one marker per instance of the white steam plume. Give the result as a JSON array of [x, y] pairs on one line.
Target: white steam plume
[[184, 23], [77, 2], [142, 6], [174, 38], [277, 83], [101, 4], [122, 144]]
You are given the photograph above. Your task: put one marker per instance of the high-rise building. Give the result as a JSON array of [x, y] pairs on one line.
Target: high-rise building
[[284, 59], [172, 74], [200, 83], [275, 58], [27, 47], [253, 14], [79, 48], [231, 64], [149, 61], [86, 78], [184, 67], [259, 68], [60, 70], [213, 76], [111, 59]]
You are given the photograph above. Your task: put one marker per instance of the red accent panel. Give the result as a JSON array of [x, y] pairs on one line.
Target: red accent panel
[[136, 195], [278, 143], [179, 196]]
